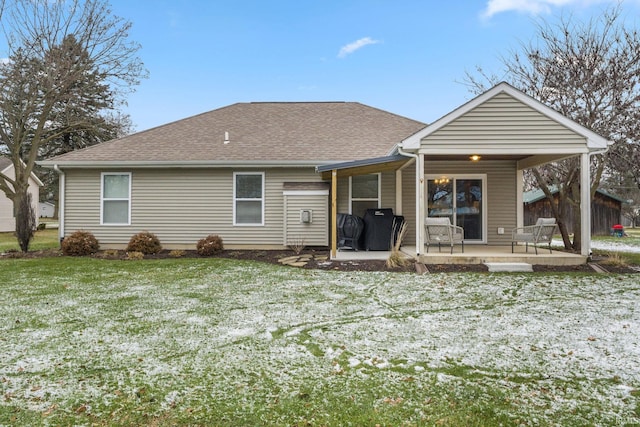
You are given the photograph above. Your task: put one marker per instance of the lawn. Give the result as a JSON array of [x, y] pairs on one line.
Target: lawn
[[229, 343], [43, 239]]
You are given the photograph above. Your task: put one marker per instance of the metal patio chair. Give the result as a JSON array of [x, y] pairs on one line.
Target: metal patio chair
[[541, 232], [440, 231]]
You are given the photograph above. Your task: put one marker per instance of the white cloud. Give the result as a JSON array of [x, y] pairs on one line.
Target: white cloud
[[358, 44], [534, 7]]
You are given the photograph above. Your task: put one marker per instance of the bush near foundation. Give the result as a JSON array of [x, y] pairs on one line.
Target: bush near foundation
[[144, 242], [210, 245], [80, 243]]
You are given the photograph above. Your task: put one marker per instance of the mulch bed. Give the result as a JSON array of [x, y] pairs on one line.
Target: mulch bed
[[273, 256]]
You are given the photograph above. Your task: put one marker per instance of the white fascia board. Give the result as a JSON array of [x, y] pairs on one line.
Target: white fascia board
[[594, 141]]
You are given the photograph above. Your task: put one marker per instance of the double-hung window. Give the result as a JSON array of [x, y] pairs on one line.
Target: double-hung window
[[115, 197], [248, 198], [364, 193]]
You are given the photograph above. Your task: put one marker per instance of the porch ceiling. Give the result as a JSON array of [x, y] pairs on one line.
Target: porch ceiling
[[465, 157]]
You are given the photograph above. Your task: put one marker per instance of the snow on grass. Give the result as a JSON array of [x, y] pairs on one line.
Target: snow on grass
[[196, 332]]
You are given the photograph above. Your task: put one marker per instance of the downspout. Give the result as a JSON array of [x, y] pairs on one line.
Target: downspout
[[419, 224], [61, 198]]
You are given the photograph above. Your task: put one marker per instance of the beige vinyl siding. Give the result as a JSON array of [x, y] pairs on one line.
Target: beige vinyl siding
[[315, 233], [500, 200], [7, 220], [180, 206], [409, 203], [503, 122]]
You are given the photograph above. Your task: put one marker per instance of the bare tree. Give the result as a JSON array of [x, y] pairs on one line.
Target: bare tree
[[61, 54], [589, 72], [25, 222]]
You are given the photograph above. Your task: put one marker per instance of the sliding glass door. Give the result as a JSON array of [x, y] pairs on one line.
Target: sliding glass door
[[461, 199]]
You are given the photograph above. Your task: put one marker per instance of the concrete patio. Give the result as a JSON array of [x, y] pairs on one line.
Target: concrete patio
[[473, 254]]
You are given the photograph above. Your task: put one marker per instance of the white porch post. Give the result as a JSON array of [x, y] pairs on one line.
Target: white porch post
[[519, 198], [585, 204], [420, 211], [398, 209]]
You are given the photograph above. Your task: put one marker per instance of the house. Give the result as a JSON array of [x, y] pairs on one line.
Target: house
[[262, 175], [7, 219], [606, 209], [46, 209]]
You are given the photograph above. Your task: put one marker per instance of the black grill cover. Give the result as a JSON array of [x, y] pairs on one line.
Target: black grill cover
[[378, 229], [350, 229]]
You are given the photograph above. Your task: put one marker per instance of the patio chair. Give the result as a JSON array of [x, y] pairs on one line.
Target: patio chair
[[541, 232], [441, 231]]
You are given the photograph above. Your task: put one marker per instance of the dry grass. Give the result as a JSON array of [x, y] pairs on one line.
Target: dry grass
[[616, 259], [396, 258], [297, 244]]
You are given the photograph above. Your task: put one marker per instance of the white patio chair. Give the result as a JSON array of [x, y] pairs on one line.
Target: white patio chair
[[441, 231], [541, 232]]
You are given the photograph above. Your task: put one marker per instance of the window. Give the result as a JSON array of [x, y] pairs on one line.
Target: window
[[365, 193], [248, 198], [116, 199]]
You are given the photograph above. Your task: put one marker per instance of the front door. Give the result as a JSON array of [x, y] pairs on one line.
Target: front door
[[461, 199]]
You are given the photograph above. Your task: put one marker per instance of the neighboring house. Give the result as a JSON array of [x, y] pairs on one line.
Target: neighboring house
[[7, 220], [249, 172], [46, 209], [606, 209]]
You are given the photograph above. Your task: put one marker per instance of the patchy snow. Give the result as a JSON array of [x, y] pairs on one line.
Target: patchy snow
[[621, 244], [575, 336], [615, 246]]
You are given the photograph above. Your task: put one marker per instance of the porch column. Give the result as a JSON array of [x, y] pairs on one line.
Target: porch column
[[585, 204], [519, 198], [398, 192], [420, 211], [334, 213]]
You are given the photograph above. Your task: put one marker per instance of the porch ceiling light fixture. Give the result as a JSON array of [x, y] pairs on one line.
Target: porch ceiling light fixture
[[474, 158]]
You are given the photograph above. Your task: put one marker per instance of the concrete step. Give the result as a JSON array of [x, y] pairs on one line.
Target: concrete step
[[508, 266]]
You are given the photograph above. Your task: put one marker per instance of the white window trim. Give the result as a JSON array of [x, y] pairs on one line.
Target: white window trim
[[485, 198], [235, 199], [102, 199], [368, 199]]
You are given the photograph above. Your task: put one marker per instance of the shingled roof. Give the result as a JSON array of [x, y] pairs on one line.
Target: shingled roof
[[263, 132]]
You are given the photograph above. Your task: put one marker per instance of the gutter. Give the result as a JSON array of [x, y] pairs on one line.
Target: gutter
[[123, 164], [61, 198]]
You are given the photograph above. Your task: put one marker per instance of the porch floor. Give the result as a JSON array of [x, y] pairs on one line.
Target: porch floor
[[474, 254]]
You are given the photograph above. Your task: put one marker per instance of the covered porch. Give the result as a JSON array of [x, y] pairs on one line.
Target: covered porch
[[468, 167]]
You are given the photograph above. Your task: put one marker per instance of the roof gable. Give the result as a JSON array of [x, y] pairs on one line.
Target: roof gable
[[262, 133], [6, 167], [507, 114]]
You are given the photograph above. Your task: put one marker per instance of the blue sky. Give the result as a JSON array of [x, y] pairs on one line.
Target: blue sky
[[404, 56]]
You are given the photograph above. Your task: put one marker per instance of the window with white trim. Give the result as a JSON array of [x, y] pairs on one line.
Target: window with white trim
[[364, 191], [248, 198], [115, 198]]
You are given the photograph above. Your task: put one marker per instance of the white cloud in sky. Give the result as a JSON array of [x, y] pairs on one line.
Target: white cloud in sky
[[358, 44], [534, 7]]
